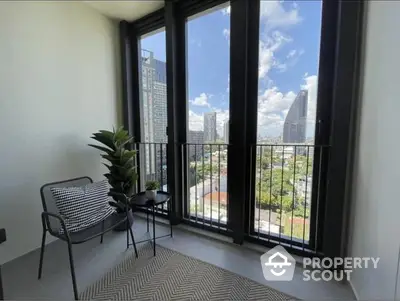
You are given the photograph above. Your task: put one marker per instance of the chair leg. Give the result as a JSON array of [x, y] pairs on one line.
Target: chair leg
[[71, 263], [170, 215], [154, 231], [42, 254], [133, 241], [147, 214], [102, 230], [127, 233]]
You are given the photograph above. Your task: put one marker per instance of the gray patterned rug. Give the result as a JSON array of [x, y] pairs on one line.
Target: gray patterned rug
[[173, 276]]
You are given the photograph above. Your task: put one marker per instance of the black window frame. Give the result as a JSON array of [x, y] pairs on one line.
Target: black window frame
[[188, 10], [337, 83]]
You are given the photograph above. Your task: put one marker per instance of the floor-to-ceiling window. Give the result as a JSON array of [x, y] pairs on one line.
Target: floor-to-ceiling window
[[207, 38], [153, 108], [259, 109], [289, 46]]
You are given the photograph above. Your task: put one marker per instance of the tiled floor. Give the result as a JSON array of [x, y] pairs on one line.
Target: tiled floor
[[93, 259]]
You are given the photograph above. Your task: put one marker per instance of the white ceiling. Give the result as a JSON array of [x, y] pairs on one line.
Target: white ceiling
[[126, 10]]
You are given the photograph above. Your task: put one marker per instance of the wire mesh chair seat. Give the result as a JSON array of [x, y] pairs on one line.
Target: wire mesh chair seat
[[94, 231], [53, 222]]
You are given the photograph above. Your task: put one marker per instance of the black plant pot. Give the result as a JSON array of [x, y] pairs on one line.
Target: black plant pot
[[122, 227]]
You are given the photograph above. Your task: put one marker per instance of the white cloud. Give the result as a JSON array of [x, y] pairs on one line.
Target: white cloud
[[265, 61], [271, 44], [196, 42], [291, 53], [274, 101], [312, 86], [291, 59], [196, 121], [273, 107], [227, 33], [222, 116], [274, 14], [226, 11], [282, 67], [273, 104], [201, 101]]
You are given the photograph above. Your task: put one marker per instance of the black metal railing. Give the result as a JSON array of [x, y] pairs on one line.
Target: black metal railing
[[152, 166], [206, 203], [286, 186]]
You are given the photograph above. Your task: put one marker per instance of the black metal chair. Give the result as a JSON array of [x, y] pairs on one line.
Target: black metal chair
[[52, 222]]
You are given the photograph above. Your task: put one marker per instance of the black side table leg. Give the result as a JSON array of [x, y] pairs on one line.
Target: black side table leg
[[154, 230], [170, 215], [147, 215]]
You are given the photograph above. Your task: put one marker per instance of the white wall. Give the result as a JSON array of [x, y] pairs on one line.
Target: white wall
[[376, 187], [58, 84]]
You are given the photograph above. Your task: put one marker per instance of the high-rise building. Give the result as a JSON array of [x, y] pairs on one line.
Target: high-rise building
[[153, 110], [154, 98], [196, 139], [294, 129], [160, 120], [226, 131], [210, 127]]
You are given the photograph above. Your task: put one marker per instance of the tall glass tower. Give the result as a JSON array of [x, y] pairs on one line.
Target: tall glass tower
[[294, 129], [210, 127], [154, 110]]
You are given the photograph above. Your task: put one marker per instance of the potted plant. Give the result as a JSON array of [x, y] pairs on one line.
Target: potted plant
[[121, 174], [151, 189]]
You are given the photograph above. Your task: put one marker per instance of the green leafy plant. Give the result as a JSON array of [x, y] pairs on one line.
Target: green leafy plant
[[152, 185], [122, 174]]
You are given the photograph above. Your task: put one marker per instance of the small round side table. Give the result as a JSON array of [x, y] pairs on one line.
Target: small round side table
[[140, 200]]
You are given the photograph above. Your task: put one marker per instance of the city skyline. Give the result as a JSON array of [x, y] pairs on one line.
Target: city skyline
[[288, 63]]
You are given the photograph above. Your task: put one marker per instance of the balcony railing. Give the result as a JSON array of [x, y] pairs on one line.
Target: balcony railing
[[152, 166], [284, 195], [206, 184], [285, 188]]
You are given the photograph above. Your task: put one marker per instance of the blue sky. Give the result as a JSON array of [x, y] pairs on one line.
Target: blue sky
[[289, 53]]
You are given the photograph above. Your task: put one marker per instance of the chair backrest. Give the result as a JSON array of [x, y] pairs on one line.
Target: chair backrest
[[49, 203]]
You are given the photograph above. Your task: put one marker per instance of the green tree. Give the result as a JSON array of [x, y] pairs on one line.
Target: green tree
[[276, 191], [301, 166], [266, 158]]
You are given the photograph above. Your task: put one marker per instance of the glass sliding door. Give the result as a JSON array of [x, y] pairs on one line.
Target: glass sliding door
[[207, 36], [289, 46], [153, 109]]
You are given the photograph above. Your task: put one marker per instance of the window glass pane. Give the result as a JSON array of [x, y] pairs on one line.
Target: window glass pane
[[154, 121], [208, 114], [289, 45]]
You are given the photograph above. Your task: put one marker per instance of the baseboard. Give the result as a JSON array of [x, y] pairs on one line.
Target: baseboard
[[353, 290]]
